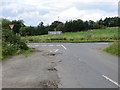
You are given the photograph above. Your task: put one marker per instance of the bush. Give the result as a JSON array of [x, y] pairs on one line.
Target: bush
[[11, 43], [23, 46]]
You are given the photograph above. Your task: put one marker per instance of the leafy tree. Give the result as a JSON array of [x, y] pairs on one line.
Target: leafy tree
[[118, 22], [86, 25], [74, 26], [18, 25], [100, 22], [55, 24], [5, 23], [111, 22], [60, 27], [40, 29], [27, 31]]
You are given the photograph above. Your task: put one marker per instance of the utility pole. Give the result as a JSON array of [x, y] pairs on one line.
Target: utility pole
[[58, 18]]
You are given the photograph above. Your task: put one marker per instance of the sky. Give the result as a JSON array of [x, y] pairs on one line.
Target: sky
[[32, 12]]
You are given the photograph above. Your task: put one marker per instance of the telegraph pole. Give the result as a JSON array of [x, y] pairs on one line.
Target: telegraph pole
[[58, 18]]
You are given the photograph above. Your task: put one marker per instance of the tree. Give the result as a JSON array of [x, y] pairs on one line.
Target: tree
[[18, 25], [86, 25], [118, 22], [60, 27], [41, 24], [27, 31], [100, 22], [40, 29], [74, 26], [68, 26], [55, 24], [5, 23], [91, 24], [111, 22], [80, 25]]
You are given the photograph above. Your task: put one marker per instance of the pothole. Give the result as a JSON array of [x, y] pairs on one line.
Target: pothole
[[51, 54], [49, 84], [48, 54], [52, 69]]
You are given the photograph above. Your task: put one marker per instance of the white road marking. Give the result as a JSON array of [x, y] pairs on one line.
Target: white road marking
[[56, 50], [64, 47], [50, 50], [50, 45], [43, 45], [36, 45], [58, 45], [111, 80]]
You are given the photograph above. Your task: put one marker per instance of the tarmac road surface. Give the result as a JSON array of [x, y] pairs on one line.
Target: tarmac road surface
[[62, 65]]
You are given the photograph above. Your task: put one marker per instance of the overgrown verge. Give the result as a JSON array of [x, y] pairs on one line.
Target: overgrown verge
[[12, 44], [114, 49]]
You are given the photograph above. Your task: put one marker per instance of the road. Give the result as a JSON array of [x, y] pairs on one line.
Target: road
[[62, 65]]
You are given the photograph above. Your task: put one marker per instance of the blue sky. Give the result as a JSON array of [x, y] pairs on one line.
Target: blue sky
[[35, 11]]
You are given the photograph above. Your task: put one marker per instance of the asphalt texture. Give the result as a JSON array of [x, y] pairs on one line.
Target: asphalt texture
[[62, 65]]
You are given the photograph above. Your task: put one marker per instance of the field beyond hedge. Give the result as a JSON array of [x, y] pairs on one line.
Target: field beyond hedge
[[96, 35]]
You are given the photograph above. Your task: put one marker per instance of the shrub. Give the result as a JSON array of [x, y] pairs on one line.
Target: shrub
[[11, 43]]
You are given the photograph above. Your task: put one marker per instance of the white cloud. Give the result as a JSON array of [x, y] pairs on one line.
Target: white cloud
[[97, 14], [31, 10], [71, 13]]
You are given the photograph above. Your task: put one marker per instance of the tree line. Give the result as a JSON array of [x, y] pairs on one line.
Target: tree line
[[68, 26]]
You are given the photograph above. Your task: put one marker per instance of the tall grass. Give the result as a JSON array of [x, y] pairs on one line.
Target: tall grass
[[114, 49]]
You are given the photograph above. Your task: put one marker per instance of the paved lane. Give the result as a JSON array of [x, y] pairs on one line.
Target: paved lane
[[85, 66], [78, 65]]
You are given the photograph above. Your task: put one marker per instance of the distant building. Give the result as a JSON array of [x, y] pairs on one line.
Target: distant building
[[54, 32]]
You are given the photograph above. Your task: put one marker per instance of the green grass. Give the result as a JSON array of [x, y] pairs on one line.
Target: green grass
[[24, 52], [99, 35], [113, 49], [28, 52]]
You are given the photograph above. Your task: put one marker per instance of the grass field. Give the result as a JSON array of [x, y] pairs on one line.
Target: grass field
[[99, 35], [113, 49]]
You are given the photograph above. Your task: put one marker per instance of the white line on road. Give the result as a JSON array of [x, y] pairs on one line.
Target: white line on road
[[36, 45], [56, 50], [64, 47], [50, 50], [43, 45], [51, 45], [111, 80], [58, 45]]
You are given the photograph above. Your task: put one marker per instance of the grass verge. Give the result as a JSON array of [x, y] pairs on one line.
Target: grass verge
[[114, 49], [23, 52], [28, 52]]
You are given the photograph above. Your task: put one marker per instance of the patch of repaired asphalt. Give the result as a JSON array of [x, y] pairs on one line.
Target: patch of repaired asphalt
[[35, 71], [49, 84]]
